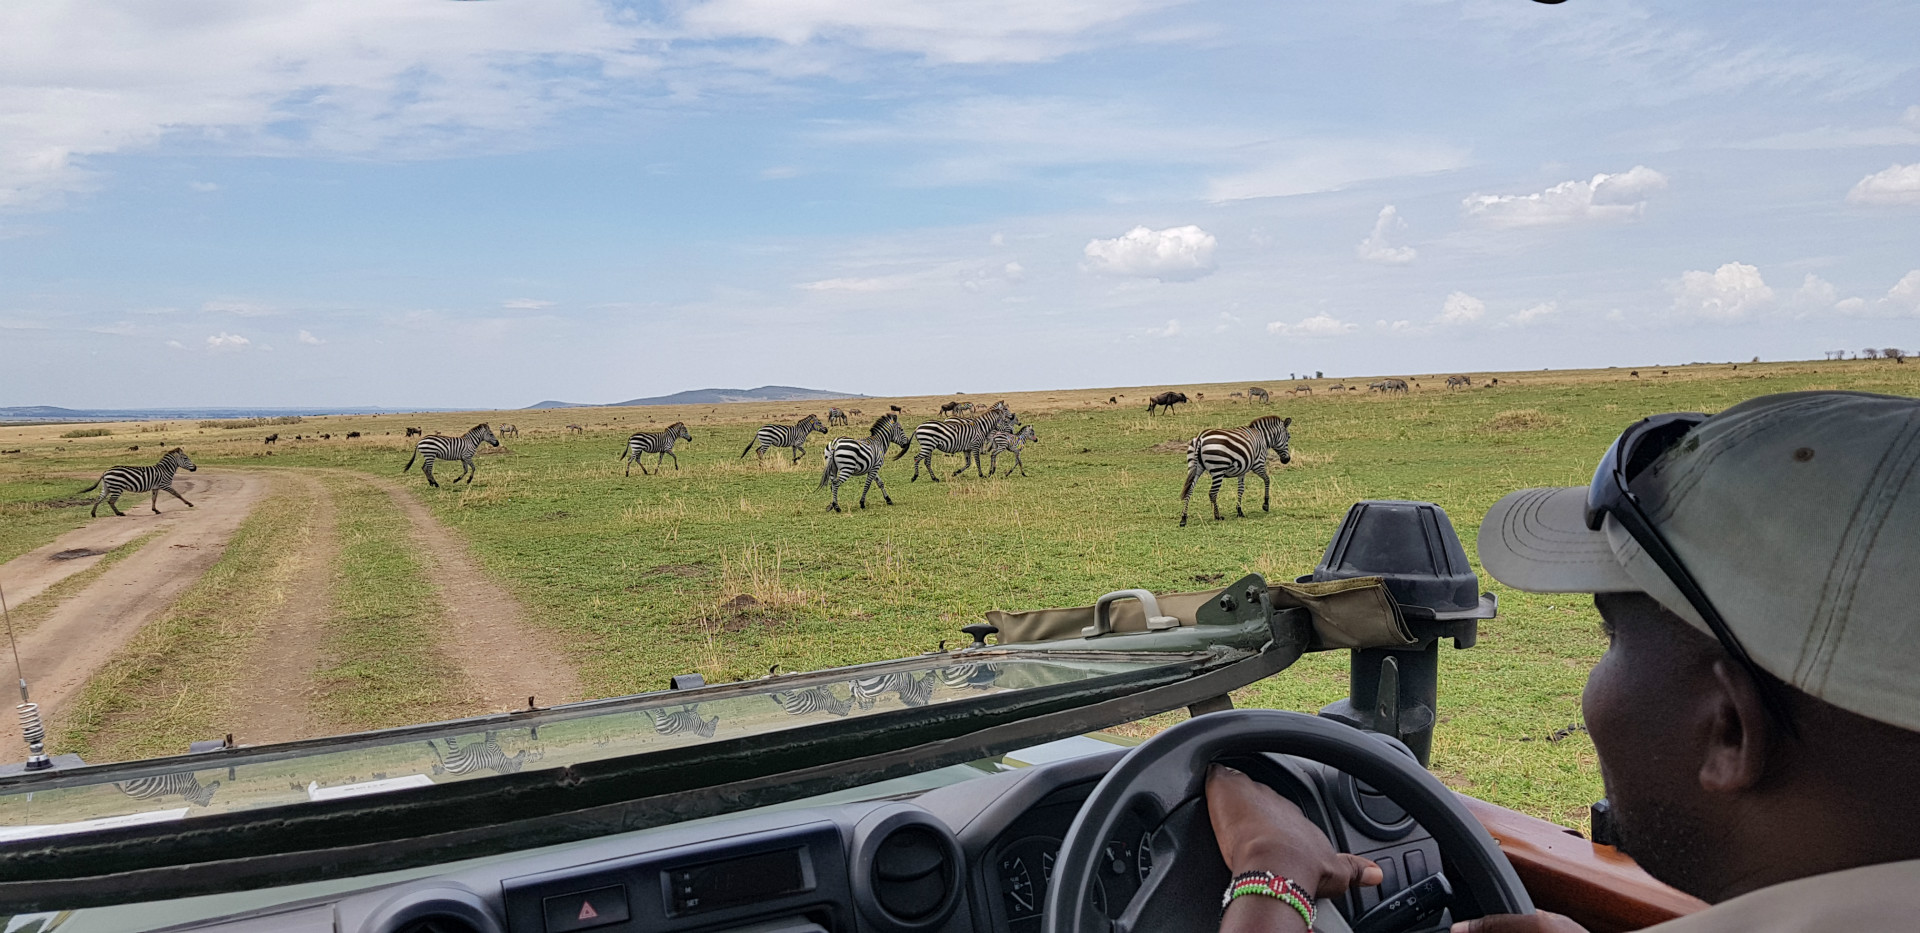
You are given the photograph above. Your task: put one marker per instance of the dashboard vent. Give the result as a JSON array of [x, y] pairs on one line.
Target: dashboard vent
[[912, 874], [438, 924]]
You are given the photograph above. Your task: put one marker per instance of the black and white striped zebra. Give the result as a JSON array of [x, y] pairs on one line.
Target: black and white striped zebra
[[911, 689], [183, 783], [486, 755], [847, 458], [836, 416], [813, 700], [684, 719], [1224, 452], [964, 436], [155, 479], [659, 443], [441, 447], [788, 435], [1000, 442], [969, 676]]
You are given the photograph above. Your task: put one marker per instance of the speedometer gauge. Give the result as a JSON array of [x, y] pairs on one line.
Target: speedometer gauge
[[1144, 858], [1025, 869]]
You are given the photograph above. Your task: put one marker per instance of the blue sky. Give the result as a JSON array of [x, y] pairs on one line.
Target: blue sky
[[433, 203]]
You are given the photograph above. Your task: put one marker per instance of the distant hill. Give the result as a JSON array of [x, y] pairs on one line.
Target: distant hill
[[714, 397], [52, 413]]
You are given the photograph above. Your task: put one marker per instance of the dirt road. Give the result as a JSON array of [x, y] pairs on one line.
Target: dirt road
[[79, 635], [275, 699]]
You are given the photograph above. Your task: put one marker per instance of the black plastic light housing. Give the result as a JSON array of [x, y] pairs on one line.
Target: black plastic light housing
[[1413, 547]]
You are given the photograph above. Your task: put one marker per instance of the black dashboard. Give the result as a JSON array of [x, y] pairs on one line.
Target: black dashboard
[[971, 857]]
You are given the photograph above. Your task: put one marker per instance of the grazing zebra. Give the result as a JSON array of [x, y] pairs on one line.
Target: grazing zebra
[[509, 430], [441, 447], [655, 442], [1009, 442], [180, 782], [788, 435], [1394, 385], [964, 436], [1256, 392], [575, 429], [836, 416], [1303, 389], [847, 458], [684, 719], [1224, 452], [813, 700], [912, 690], [1459, 382], [473, 757], [970, 676], [154, 479]]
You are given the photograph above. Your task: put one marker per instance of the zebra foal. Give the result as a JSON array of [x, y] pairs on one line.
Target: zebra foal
[[441, 447], [655, 442], [1224, 452], [847, 458], [788, 435], [1000, 442], [155, 479]]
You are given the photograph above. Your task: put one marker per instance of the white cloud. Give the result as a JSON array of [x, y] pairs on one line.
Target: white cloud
[[1904, 296], [203, 186], [1534, 314], [177, 345], [987, 31], [1319, 325], [1174, 254], [1227, 321], [1376, 248], [307, 337], [226, 341], [884, 283], [1731, 292], [1333, 164], [1460, 309], [1898, 184], [1620, 196], [238, 308], [1171, 330], [526, 304]]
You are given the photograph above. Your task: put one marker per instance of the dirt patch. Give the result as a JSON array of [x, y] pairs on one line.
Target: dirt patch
[[74, 553], [487, 634], [680, 570], [741, 613], [1165, 447]]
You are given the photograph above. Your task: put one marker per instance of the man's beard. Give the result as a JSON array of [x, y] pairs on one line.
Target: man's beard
[[1669, 842]]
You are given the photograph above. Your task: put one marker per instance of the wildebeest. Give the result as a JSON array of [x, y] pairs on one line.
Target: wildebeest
[[353, 434], [1165, 400], [1113, 399], [134, 447], [272, 438], [897, 409], [411, 432], [1256, 392], [326, 437]]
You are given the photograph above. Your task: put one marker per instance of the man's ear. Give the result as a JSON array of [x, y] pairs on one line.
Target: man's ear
[[1741, 736]]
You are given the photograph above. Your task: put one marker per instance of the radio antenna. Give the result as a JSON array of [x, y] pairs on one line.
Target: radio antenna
[[31, 728]]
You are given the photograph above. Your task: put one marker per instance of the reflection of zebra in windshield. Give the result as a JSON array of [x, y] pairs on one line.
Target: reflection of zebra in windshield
[[179, 782], [813, 700], [686, 718], [486, 755], [976, 676], [913, 691]]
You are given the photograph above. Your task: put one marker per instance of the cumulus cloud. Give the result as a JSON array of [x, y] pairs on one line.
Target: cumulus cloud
[[1619, 196], [1534, 314], [1171, 330], [1319, 325], [1460, 309], [177, 345], [1227, 321], [1733, 291], [307, 337], [1174, 254], [1898, 184], [1377, 248], [225, 341], [1904, 296]]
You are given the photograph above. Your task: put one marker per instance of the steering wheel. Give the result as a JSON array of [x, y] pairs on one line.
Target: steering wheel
[[1163, 782]]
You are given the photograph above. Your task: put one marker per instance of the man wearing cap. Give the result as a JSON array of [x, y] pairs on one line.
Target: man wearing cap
[[1757, 712]]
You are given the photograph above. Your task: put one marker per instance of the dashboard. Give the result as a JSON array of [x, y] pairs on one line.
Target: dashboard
[[975, 856]]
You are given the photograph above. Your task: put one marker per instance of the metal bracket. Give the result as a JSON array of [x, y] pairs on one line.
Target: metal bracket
[[1103, 613]]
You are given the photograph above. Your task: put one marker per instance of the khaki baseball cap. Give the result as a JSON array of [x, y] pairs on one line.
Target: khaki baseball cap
[[1799, 516]]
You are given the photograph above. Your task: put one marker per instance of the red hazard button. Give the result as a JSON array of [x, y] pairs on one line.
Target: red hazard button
[[587, 909]]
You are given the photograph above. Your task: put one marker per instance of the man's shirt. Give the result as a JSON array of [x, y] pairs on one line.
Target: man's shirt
[[1859, 900]]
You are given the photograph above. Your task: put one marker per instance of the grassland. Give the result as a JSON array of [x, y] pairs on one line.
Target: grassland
[[640, 578]]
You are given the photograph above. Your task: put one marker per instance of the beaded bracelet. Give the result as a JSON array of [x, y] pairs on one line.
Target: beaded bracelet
[[1268, 884]]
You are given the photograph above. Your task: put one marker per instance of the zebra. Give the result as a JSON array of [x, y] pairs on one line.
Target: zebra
[[1459, 382], [1256, 392], [1391, 386], [847, 458], [684, 719], [1303, 389], [971, 676], [788, 435], [813, 700], [964, 436], [509, 430], [486, 755], [575, 429], [1009, 442], [655, 442], [183, 783], [836, 416], [1224, 452], [441, 447], [912, 690], [154, 479]]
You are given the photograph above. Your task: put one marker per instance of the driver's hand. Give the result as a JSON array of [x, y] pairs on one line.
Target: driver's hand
[[1537, 922], [1259, 830]]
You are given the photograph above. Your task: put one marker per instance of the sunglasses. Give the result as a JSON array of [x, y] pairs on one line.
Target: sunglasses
[[1612, 494]]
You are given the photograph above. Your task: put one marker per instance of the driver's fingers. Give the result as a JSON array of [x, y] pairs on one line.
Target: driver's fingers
[[1539, 922], [1351, 871]]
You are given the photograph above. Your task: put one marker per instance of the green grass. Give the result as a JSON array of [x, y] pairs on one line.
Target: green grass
[[35, 506], [384, 619], [31, 612], [637, 577]]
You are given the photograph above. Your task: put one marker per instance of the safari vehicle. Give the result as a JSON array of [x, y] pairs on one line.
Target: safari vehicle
[[961, 790]]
